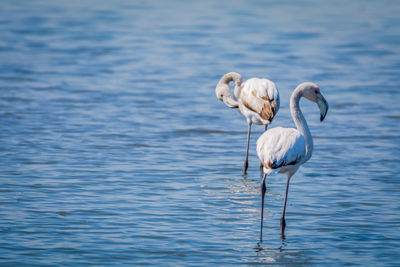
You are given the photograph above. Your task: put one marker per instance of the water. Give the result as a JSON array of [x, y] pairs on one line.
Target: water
[[115, 151]]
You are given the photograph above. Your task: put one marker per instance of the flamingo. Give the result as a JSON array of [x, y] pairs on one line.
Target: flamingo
[[257, 100], [284, 150]]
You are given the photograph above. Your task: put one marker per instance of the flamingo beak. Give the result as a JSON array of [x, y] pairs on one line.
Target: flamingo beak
[[322, 105], [230, 102]]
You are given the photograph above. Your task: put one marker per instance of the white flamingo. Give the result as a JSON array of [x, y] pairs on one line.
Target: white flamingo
[[257, 100], [284, 150]]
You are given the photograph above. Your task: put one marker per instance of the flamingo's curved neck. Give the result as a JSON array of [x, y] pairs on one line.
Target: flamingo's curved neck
[[300, 121], [237, 79], [237, 89]]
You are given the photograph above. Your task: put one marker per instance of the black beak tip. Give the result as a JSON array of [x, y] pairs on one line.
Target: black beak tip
[[321, 118]]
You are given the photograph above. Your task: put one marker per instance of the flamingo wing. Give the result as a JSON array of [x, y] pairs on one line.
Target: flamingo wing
[[280, 147], [261, 97]]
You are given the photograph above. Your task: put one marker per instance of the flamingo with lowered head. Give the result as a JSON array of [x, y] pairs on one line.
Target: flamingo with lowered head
[[284, 150], [257, 100]]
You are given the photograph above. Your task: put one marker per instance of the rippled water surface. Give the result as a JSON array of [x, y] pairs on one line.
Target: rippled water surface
[[115, 151]]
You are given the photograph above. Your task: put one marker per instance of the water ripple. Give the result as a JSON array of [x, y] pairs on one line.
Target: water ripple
[[115, 151]]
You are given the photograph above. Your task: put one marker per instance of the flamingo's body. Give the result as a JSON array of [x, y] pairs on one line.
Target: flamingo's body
[[257, 100], [284, 150]]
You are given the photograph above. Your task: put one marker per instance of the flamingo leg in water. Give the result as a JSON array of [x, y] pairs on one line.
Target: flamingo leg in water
[[283, 221], [246, 161], [263, 189]]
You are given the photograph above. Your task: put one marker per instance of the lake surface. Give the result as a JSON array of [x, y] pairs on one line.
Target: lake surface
[[115, 151]]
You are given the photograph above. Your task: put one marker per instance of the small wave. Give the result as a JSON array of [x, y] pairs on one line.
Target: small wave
[[381, 137], [396, 117], [344, 105], [188, 131]]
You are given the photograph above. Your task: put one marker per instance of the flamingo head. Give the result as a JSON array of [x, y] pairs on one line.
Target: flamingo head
[[223, 92], [312, 92]]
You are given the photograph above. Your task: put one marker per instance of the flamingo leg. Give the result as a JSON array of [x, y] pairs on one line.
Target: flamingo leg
[[261, 169], [261, 165], [283, 221], [246, 161], [263, 189]]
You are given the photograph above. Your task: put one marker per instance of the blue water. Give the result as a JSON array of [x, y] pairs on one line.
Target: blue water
[[115, 151]]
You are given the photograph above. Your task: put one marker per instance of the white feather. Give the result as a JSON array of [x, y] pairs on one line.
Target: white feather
[[254, 94], [280, 147]]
